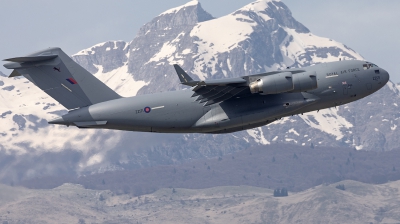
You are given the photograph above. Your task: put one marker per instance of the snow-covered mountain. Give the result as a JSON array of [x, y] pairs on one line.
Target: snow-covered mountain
[[256, 38]]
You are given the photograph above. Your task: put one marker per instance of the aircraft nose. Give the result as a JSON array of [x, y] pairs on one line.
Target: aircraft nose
[[385, 76]]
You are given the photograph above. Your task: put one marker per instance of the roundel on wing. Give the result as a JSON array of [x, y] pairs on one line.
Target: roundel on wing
[[147, 109]]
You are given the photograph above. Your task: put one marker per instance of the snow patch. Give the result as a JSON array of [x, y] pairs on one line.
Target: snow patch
[[392, 86], [258, 136], [294, 132], [90, 50], [168, 51], [359, 147], [95, 159], [120, 80], [290, 140], [328, 121]]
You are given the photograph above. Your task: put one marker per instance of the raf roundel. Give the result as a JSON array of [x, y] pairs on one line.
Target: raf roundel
[[147, 109]]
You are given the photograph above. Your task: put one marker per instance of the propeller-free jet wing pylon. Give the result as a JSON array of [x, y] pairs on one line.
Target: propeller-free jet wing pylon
[[209, 106]]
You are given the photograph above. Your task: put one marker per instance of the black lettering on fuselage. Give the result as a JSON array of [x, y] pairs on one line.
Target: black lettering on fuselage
[[376, 78], [139, 111], [331, 74], [354, 70]]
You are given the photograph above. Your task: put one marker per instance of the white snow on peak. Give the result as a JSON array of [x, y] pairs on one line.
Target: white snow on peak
[[397, 87], [224, 34], [293, 48], [217, 36], [169, 51], [91, 50], [120, 80], [177, 9], [393, 87], [328, 121], [257, 6]]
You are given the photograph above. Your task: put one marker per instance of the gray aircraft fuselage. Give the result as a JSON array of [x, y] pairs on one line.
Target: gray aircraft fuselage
[[339, 83]]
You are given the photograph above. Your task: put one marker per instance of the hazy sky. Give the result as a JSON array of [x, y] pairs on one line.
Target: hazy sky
[[370, 27]]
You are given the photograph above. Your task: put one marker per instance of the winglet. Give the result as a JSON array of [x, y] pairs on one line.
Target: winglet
[[183, 76]]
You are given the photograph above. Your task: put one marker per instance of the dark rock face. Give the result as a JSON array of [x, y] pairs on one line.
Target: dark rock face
[[111, 55], [20, 121]]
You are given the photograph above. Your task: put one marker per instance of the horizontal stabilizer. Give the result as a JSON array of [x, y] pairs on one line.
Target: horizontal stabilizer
[[31, 59]]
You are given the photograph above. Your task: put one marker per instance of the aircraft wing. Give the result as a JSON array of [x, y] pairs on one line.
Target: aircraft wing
[[213, 91]]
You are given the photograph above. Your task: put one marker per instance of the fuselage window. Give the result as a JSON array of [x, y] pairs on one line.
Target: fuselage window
[[368, 66]]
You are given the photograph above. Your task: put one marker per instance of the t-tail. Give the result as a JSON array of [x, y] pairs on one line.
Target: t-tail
[[60, 77]]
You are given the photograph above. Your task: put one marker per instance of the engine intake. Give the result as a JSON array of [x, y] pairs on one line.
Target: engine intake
[[273, 84]]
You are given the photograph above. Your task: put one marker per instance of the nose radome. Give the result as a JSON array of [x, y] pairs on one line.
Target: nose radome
[[385, 75]]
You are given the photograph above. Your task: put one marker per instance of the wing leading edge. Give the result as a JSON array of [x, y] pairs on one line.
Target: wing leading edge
[[214, 91]]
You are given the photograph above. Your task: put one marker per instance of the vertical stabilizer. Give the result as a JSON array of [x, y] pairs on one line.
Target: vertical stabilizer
[[60, 77]]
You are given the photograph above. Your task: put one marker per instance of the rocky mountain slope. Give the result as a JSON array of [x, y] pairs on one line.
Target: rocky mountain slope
[[358, 203], [259, 37], [273, 166]]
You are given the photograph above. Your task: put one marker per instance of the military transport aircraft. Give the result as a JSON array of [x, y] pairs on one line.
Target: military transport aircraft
[[208, 106]]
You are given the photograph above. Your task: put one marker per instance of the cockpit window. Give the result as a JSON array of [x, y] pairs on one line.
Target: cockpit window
[[369, 65]]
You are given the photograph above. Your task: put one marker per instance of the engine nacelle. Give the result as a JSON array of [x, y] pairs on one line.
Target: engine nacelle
[[273, 84], [304, 82], [284, 82]]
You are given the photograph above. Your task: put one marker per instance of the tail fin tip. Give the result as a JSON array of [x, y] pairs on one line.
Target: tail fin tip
[[183, 76]]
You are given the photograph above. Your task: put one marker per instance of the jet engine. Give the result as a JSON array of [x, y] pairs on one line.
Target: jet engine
[[273, 84], [304, 82], [284, 82]]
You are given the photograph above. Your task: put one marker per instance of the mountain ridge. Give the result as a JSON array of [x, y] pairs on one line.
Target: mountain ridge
[[255, 42], [357, 203]]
